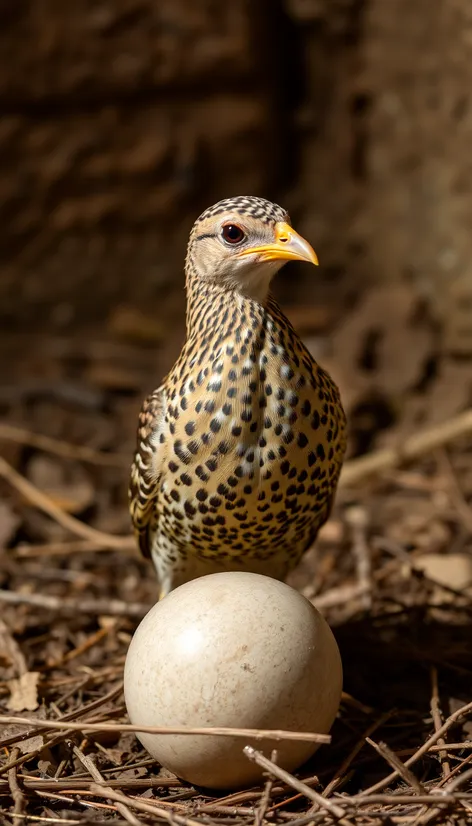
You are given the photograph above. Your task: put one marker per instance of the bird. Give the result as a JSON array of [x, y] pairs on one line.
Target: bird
[[239, 450]]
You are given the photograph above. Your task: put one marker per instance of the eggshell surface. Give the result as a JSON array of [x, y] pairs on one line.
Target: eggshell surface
[[231, 649]]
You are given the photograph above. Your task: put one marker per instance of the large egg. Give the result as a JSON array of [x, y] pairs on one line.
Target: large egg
[[237, 650]]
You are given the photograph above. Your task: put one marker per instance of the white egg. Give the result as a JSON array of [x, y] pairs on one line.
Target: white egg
[[238, 650]]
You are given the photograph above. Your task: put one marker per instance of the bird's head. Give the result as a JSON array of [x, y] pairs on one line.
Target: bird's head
[[240, 243]]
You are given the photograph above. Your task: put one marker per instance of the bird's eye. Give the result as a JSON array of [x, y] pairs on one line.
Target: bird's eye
[[232, 234]]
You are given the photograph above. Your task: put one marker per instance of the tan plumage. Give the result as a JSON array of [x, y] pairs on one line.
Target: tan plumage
[[239, 451]]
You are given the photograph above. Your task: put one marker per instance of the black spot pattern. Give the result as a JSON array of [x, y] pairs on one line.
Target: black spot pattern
[[252, 436]]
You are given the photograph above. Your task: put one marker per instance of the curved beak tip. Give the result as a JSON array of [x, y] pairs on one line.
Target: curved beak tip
[[292, 245]]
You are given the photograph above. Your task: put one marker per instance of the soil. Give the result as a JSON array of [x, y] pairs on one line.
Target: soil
[[391, 572]]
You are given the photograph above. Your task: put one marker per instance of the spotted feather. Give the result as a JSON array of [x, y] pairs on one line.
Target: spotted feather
[[239, 452]]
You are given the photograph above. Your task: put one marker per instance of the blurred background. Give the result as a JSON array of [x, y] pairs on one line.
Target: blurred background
[[121, 120]]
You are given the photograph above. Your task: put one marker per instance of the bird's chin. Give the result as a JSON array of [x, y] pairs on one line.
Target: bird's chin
[[248, 276], [256, 281]]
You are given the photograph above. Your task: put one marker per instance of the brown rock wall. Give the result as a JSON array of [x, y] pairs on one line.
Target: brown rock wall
[[122, 119]]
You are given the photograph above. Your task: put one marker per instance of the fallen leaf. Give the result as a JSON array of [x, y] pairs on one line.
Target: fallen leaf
[[34, 743], [46, 768], [24, 692], [453, 570]]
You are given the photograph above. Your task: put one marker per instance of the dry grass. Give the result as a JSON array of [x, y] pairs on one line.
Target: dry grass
[[401, 750]]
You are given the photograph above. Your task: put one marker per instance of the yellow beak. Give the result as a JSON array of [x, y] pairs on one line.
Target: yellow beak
[[288, 246]]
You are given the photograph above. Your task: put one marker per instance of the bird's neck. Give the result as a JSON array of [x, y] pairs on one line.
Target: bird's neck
[[212, 307]]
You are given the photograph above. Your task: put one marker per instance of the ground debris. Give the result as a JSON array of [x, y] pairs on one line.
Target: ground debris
[[385, 572], [24, 692]]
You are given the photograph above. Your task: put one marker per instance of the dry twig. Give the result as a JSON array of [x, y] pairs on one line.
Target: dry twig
[[436, 715], [394, 761], [142, 806], [122, 807], [70, 523], [265, 796], [216, 731], [264, 762], [453, 718], [356, 518], [427, 440], [16, 793], [446, 791], [84, 709], [48, 444], [57, 549], [341, 772], [97, 607]]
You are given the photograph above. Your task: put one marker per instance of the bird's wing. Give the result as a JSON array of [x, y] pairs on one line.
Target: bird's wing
[[146, 468]]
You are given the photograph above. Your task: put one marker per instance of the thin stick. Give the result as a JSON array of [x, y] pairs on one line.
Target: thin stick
[[84, 709], [265, 796], [396, 763], [52, 741], [147, 808], [359, 800], [453, 718], [356, 802], [86, 804], [25, 758], [87, 762], [264, 762], [71, 546], [341, 595], [427, 440], [40, 819], [448, 790], [70, 523], [314, 780], [16, 793], [72, 785], [466, 744], [436, 715], [340, 773], [356, 518], [216, 731], [455, 770], [48, 444], [110, 607]]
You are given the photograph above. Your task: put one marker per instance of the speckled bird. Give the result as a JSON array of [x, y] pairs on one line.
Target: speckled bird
[[240, 449]]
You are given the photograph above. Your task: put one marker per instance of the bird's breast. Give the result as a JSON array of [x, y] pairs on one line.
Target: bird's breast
[[250, 417]]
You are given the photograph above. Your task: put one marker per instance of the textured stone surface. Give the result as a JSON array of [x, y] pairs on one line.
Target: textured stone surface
[[418, 212], [92, 48], [105, 199], [121, 121]]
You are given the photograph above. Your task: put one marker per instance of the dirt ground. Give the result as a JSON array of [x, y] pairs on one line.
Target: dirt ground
[[390, 572]]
